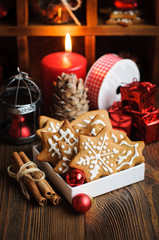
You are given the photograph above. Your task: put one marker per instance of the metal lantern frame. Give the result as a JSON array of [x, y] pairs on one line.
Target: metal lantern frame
[[12, 86]]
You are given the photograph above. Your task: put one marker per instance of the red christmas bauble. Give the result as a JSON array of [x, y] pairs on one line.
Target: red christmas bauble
[[75, 177], [82, 202]]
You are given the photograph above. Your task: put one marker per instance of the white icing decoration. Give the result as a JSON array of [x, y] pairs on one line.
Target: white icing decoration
[[62, 146], [114, 137], [53, 148], [75, 150], [93, 131], [120, 160], [67, 151], [66, 167], [97, 160], [86, 121], [121, 136], [115, 150], [67, 135], [65, 159], [98, 122]]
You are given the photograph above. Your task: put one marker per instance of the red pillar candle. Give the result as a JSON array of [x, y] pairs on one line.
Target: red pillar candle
[[53, 65]]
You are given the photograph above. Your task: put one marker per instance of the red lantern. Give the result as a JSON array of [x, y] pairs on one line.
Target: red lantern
[[18, 128], [82, 202], [125, 4]]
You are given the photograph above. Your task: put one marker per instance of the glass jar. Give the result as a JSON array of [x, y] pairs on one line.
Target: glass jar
[[56, 11]]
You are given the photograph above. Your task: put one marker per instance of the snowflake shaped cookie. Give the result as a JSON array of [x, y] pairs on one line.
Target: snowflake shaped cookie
[[51, 152], [97, 155], [132, 154]]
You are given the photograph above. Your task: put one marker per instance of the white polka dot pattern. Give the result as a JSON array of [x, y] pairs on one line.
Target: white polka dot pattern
[[96, 76]]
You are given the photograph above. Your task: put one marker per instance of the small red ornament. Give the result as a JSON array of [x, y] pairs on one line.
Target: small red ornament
[[82, 202], [75, 177], [125, 4], [18, 129]]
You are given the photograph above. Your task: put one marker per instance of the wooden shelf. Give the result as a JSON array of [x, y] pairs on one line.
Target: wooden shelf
[[101, 30], [26, 28]]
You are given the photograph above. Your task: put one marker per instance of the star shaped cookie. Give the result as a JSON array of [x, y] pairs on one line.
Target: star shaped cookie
[[51, 152], [51, 125], [97, 155], [83, 120], [132, 154]]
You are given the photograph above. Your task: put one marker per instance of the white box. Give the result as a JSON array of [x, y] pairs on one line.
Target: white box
[[94, 188]]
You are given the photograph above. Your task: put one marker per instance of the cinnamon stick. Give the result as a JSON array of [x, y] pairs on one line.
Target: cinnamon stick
[[30, 184], [43, 185]]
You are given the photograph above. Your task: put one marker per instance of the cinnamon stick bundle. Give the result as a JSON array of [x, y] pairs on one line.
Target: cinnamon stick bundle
[[43, 185], [30, 184], [33, 179]]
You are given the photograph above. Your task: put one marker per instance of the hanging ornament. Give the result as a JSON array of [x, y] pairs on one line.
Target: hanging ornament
[[82, 202], [19, 128], [75, 177], [125, 4]]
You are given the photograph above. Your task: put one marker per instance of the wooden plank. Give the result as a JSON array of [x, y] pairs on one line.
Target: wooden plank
[[91, 14], [23, 53], [90, 50], [155, 70], [157, 11], [130, 212], [102, 30], [22, 12], [21, 219]]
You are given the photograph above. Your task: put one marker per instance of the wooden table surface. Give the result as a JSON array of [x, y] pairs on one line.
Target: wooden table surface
[[128, 213]]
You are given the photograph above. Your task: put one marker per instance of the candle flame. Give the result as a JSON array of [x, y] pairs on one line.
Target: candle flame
[[68, 44], [59, 12]]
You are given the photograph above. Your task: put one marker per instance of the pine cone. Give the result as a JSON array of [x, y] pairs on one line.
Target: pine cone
[[70, 97]]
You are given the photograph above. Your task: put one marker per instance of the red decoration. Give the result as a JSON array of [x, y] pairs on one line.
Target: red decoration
[[138, 96], [53, 65], [82, 202], [18, 128], [147, 126], [75, 177], [125, 4], [119, 118]]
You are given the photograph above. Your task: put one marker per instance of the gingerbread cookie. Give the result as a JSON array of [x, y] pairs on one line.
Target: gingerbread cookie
[[51, 152], [42, 120], [83, 120], [51, 125], [67, 154], [96, 156], [132, 154], [97, 123]]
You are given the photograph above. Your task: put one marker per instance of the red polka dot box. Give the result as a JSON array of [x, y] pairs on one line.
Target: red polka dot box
[[105, 78]]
